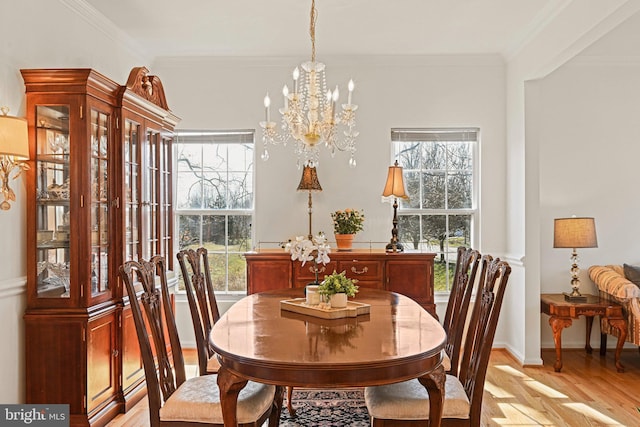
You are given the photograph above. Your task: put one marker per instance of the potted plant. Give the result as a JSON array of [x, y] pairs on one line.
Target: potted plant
[[346, 224], [336, 287]]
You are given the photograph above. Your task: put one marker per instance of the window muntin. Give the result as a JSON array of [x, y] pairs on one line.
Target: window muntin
[[440, 174], [215, 201]]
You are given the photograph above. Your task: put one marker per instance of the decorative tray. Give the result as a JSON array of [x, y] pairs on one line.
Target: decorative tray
[[299, 305]]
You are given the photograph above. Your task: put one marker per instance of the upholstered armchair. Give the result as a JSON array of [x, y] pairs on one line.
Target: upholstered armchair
[[614, 285]]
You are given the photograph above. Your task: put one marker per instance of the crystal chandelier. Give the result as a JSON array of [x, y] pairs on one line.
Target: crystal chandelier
[[309, 114]]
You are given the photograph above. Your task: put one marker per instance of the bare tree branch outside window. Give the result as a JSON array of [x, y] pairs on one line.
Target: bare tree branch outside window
[[439, 175], [214, 201]]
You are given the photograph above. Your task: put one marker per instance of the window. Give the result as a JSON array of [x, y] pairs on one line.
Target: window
[[440, 175], [214, 201]]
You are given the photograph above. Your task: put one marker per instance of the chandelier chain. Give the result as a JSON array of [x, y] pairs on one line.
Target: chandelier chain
[[312, 29]]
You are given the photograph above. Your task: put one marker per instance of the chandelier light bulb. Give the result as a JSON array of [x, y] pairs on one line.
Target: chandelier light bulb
[[336, 94], [285, 94], [351, 87], [296, 75], [267, 103]]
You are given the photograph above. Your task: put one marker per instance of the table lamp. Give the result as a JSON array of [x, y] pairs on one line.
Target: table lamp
[[574, 233], [14, 151], [309, 182], [394, 187]]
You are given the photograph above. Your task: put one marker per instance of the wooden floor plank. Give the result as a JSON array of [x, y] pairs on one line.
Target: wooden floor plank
[[587, 393]]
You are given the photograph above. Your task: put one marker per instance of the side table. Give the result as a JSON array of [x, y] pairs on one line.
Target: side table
[[561, 312]]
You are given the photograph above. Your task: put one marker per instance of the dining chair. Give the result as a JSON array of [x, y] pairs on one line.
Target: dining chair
[[203, 307], [456, 316], [407, 403], [175, 400]]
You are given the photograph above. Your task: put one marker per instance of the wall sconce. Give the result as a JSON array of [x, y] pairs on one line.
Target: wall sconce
[[14, 150]]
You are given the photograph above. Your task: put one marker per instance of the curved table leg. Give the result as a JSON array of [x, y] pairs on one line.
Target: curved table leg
[[230, 386], [557, 325], [621, 326], [587, 345], [434, 383]]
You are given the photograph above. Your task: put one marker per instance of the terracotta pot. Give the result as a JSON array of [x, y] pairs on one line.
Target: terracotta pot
[[338, 300], [344, 241]]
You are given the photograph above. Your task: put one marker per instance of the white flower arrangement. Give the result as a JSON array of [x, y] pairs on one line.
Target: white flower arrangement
[[316, 250], [304, 250]]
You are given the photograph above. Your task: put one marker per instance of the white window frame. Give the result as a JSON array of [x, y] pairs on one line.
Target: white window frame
[[241, 136], [399, 135]]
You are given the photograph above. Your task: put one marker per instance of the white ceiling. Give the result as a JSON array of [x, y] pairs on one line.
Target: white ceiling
[[344, 27]]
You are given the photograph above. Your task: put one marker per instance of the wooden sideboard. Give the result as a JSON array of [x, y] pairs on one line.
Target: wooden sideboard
[[406, 273]]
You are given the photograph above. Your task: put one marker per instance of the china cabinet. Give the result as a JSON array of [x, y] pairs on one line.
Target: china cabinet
[[78, 331], [407, 273]]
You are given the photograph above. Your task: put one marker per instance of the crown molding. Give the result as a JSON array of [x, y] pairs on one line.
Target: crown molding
[[605, 61], [535, 27], [463, 60], [98, 21]]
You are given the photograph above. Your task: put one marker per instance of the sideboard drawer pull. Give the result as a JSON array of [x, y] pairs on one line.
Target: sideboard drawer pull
[[356, 271]]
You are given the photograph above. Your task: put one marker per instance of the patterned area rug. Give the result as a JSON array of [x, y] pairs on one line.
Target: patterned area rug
[[335, 408]]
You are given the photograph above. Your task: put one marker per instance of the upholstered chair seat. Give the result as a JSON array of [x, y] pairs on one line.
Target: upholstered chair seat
[[198, 401], [409, 400]]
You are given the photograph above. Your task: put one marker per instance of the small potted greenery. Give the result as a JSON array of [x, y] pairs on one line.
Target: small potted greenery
[[336, 287], [346, 224]]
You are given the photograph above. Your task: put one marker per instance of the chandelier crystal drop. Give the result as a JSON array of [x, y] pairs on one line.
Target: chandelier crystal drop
[[309, 115]]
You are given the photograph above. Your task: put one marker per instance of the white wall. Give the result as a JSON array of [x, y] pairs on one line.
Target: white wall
[[575, 27], [439, 91], [588, 163], [41, 34]]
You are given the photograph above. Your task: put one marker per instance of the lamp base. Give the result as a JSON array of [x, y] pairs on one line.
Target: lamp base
[[399, 247], [574, 298]]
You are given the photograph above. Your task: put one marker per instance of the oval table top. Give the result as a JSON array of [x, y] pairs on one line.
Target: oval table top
[[396, 341]]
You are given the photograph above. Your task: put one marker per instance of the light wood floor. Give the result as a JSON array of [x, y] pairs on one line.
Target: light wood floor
[[588, 392]]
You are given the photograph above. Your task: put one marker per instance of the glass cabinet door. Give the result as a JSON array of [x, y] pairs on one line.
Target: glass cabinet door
[[132, 168], [53, 216], [166, 212], [150, 205], [99, 172]]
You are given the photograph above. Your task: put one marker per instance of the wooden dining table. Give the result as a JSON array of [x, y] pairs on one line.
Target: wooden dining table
[[397, 340]]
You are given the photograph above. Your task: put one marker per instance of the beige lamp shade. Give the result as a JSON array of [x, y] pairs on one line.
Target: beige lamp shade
[[309, 180], [395, 184], [574, 233], [14, 138]]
